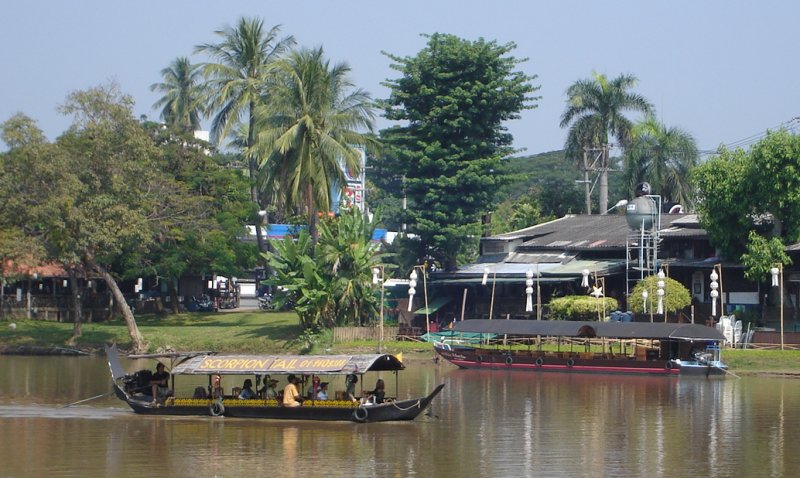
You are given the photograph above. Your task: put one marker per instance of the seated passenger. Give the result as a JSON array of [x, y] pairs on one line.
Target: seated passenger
[[268, 391], [377, 395], [247, 392], [291, 396], [200, 393], [159, 383], [322, 394], [314, 388]]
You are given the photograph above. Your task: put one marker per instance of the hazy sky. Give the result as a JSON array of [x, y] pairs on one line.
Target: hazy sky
[[725, 71]]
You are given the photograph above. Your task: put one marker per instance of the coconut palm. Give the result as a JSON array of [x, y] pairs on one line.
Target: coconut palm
[[238, 81], [595, 108], [181, 103], [310, 128], [663, 157]]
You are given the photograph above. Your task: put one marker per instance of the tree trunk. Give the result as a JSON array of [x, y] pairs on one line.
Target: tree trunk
[[312, 215], [173, 296], [77, 310], [604, 180], [139, 345]]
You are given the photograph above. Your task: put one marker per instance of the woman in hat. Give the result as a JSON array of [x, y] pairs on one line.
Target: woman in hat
[[322, 393]]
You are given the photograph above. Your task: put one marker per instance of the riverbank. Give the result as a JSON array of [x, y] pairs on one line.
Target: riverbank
[[258, 332]]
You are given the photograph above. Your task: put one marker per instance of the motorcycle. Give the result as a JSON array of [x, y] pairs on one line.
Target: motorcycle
[[265, 302], [202, 304]]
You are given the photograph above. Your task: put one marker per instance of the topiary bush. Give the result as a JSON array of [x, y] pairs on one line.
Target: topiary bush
[[581, 307]]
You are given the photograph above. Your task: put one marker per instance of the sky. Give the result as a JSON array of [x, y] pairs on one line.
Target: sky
[[724, 71]]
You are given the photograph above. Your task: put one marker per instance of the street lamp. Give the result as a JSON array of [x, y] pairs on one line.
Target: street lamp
[[620, 203], [660, 293], [777, 281], [377, 275], [412, 289], [644, 302], [714, 292]]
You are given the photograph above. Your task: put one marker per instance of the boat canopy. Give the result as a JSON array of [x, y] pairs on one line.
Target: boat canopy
[[286, 364], [568, 328]]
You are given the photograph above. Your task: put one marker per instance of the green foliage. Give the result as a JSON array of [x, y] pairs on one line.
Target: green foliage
[[676, 295], [595, 108], [762, 255], [311, 122], [454, 96], [182, 101], [330, 283], [757, 191], [662, 156], [581, 307]]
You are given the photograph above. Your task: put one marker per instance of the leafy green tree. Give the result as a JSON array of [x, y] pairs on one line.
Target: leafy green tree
[[676, 296], [238, 81], [454, 97], [749, 201], [330, 283], [595, 110], [182, 101], [313, 119], [664, 157]]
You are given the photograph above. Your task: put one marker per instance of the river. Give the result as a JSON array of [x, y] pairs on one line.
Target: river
[[483, 424]]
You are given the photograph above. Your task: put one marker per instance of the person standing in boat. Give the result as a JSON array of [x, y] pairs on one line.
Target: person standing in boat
[[350, 384], [159, 383], [291, 396], [216, 388], [314, 388]]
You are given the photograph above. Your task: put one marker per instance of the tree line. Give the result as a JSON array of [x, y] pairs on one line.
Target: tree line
[[121, 197]]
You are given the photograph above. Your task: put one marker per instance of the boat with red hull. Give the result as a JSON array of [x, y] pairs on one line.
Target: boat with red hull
[[587, 347]]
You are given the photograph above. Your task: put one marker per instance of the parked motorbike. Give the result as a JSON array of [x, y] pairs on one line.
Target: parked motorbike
[[265, 302], [202, 304]]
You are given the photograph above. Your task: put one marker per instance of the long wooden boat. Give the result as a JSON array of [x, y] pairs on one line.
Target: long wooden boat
[[129, 387], [624, 347]]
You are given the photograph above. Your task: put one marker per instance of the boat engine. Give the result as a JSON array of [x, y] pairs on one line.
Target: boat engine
[[138, 382]]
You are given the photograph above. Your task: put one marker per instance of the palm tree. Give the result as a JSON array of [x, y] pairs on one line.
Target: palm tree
[[310, 129], [594, 112], [663, 157], [238, 82], [181, 103]]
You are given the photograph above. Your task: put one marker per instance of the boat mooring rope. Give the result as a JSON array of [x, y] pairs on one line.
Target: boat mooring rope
[[409, 408]]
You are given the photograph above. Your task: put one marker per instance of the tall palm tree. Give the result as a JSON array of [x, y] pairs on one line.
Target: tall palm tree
[[238, 81], [310, 128], [595, 108], [663, 157], [182, 100]]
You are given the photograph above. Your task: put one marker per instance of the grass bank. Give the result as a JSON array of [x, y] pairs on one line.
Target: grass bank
[[278, 333]]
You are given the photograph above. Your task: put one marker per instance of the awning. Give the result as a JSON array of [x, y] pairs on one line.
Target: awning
[[566, 328], [433, 305], [284, 364]]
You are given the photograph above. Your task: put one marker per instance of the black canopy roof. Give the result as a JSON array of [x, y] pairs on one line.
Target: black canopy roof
[[567, 328]]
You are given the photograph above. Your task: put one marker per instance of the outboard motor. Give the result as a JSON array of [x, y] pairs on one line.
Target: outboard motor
[[138, 382]]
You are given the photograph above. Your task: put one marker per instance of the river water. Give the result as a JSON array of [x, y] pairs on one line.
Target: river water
[[483, 424]]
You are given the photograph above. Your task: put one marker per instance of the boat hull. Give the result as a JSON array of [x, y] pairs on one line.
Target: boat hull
[[329, 411], [477, 358]]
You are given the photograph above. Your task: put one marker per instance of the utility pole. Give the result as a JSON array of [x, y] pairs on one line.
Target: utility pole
[[586, 183]]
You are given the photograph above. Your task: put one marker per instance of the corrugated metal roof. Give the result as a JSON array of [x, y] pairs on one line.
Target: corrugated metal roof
[[594, 232], [566, 328]]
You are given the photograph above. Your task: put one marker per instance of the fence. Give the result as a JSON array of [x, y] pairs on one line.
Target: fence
[[351, 334]]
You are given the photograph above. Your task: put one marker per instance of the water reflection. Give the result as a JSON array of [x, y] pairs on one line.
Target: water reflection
[[483, 424]]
